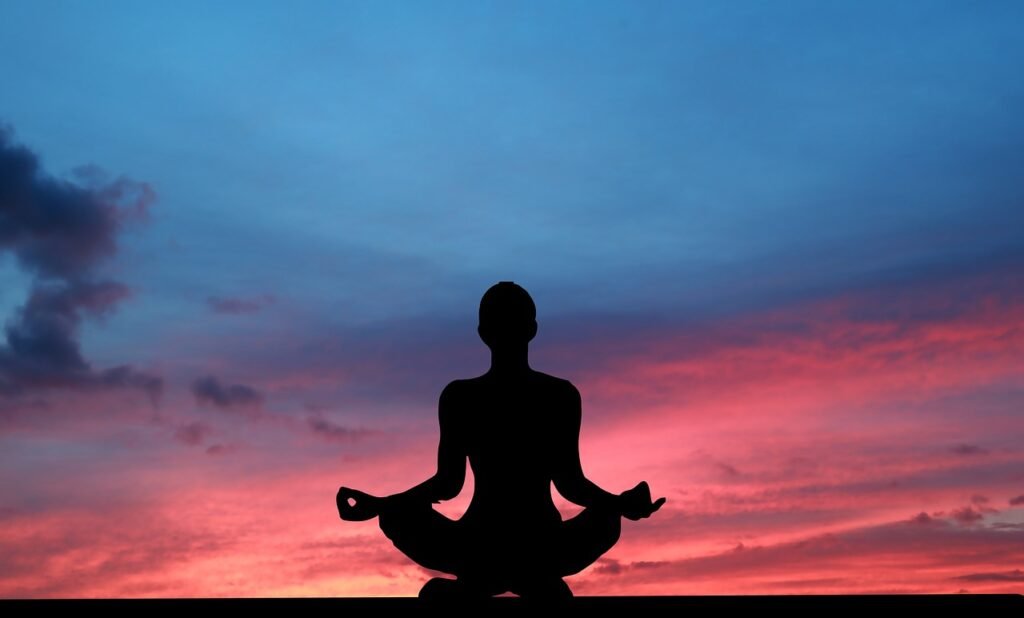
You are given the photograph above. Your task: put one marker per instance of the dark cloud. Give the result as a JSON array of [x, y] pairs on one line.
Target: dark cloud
[[209, 391], [335, 432], [218, 449], [922, 518], [192, 434], [826, 582], [239, 306], [42, 348], [979, 499], [608, 566], [60, 232], [1018, 501], [727, 469], [648, 564], [966, 515], [1015, 575], [969, 449]]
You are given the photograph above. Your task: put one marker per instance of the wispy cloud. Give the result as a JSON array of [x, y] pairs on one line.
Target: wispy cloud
[[230, 305], [335, 432], [968, 450], [210, 391], [1015, 575]]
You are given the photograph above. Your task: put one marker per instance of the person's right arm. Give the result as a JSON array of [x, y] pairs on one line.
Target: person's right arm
[[451, 456]]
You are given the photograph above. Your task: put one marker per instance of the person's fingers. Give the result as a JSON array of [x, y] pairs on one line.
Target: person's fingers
[[344, 508], [351, 500], [651, 508], [354, 494]]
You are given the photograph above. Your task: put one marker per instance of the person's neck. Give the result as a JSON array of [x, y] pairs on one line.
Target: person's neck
[[516, 360]]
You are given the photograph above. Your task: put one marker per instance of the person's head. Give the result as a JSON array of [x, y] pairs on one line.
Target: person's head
[[508, 317]]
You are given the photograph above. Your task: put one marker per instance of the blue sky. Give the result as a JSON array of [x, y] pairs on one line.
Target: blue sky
[[389, 158]]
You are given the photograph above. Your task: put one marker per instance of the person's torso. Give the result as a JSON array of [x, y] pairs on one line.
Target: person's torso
[[511, 430]]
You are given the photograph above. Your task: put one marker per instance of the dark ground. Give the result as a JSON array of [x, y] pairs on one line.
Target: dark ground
[[630, 606]]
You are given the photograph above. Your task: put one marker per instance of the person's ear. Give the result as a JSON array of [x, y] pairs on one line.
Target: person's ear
[[532, 331]]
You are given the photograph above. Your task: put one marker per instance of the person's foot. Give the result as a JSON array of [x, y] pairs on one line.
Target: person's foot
[[545, 589], [444, 589], [439, 589]]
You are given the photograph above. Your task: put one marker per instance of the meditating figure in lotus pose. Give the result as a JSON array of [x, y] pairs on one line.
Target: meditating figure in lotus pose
[[520, 430]]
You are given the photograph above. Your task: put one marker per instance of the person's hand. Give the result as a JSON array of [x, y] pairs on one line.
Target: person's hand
[[636, 503], [354, 505]]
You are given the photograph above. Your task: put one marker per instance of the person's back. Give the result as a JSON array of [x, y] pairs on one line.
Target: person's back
[[519, 429]]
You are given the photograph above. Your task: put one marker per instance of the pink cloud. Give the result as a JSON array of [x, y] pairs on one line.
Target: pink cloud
[[827, 446]]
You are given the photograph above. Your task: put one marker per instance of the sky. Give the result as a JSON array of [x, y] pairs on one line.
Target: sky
[[778, 247]]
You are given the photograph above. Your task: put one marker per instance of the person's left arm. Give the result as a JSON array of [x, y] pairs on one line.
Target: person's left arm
[[568, 477], [575, 487]]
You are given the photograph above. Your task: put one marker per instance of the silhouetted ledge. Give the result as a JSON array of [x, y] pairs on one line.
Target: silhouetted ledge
[[511, 605]]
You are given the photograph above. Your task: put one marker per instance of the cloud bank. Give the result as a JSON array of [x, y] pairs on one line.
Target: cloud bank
[[61, 232]]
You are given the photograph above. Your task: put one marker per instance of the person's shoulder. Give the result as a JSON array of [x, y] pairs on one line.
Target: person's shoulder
[[452, 402], [460, 389], [454, 388], [561, 385]]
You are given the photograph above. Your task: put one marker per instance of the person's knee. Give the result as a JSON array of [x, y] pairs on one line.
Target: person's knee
[[610, 530], [587, 540], [399, 522], [390, 524], [602, 531]]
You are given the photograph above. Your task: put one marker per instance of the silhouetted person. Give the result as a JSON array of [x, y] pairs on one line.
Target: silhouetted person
[[520, 430]]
